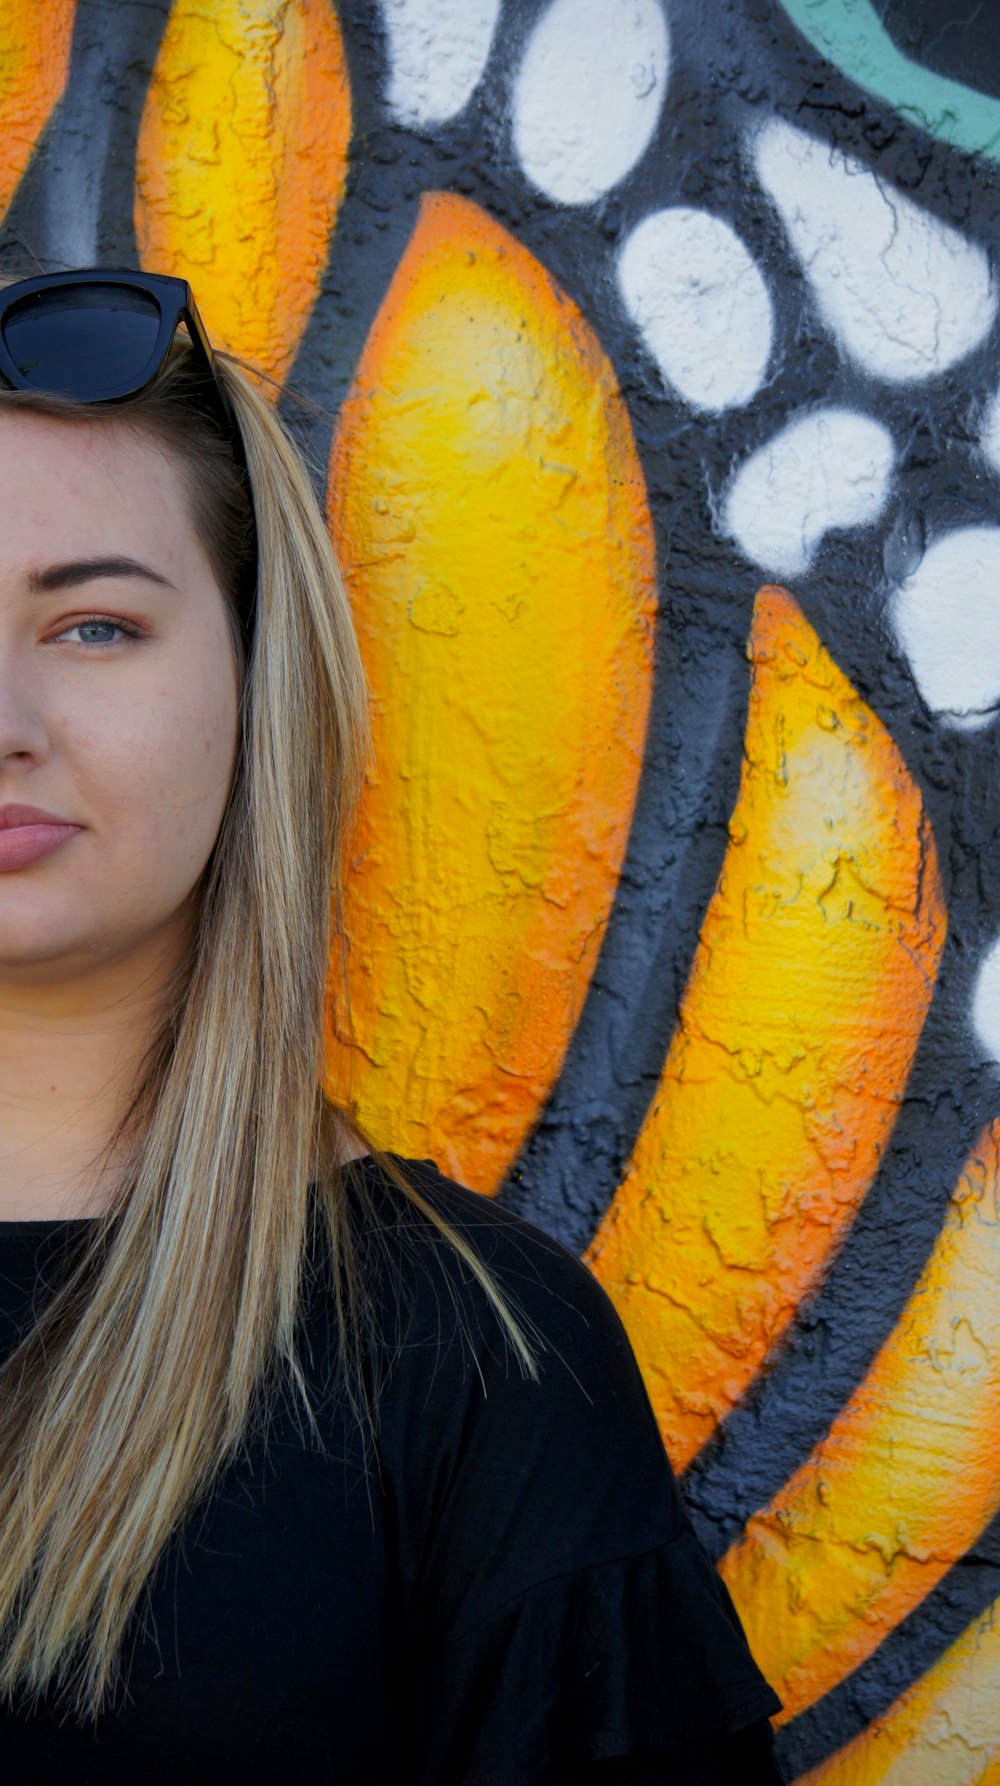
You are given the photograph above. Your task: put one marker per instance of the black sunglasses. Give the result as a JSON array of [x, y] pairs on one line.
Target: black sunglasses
[[102, 335]]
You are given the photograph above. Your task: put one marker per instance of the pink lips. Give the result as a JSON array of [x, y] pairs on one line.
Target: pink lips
[[27, 833]]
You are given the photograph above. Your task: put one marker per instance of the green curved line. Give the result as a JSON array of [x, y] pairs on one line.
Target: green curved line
[[850, 34]]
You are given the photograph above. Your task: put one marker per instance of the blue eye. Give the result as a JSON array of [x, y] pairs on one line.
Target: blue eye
[[98, 624]]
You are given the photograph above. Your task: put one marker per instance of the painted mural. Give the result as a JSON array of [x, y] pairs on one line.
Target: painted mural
[[647, 356]]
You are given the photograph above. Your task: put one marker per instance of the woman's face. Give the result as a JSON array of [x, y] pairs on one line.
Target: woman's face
[[119, 706]]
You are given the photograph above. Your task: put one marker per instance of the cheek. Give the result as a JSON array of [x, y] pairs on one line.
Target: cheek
[[158, 771]]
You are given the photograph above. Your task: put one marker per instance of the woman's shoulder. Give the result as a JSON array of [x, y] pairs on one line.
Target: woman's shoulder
[[568, 1321], [512, 1246], [462, 1413], [537, 1515]]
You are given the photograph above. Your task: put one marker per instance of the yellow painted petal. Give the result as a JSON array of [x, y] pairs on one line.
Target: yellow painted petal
[[35, 44], [806, 999], [945, 1731], [905, 1480], [241, 165], [489, 507]]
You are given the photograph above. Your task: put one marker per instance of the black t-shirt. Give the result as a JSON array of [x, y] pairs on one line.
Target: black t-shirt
[[503, 1589]]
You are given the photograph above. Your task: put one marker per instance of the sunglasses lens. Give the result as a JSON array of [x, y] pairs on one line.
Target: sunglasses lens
[[83, 341]]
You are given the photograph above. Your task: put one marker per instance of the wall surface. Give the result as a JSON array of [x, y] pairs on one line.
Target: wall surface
[[653, 355]]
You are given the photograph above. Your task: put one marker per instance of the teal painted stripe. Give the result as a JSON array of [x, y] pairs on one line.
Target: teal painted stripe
[[850, 34]]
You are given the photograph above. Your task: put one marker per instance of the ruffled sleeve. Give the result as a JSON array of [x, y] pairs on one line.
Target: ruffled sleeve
[[643, 1656], [556, 1611]]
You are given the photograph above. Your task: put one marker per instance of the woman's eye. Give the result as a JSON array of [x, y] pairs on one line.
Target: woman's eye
[[97, 631]]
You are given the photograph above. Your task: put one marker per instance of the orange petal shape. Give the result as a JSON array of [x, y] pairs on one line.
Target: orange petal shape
[[489, 508], [35, 45], [807, 996], [944, 1731], [241, 165], [905, 1480]]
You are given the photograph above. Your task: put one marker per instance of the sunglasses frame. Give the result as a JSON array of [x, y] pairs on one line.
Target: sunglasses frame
[[174, 300]]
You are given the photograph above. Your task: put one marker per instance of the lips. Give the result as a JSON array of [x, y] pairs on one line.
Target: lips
[[29, 833], [25, 840], [15, 815]]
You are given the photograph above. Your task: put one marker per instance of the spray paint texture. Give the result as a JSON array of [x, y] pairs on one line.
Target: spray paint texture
[[674, 904]]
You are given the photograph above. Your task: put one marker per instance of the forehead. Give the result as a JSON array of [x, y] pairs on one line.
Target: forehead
[[84, 486]]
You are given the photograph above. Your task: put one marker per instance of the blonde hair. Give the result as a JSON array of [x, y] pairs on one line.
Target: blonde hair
[[175, 1323]]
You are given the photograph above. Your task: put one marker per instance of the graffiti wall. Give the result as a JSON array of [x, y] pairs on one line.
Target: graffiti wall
[[647, 355]]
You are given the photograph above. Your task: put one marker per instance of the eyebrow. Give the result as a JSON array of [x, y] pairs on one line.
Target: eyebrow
[[83, 570]]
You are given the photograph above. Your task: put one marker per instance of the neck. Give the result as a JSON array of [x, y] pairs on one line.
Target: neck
[[70, 1055]]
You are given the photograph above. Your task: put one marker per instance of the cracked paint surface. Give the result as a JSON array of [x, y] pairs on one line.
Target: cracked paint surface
[[34, 62], [491, 516], [903, 1484], [944, 1732], [807, 996], [241, 166]]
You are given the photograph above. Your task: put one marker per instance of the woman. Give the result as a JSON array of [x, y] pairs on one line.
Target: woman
[[308, 1456]]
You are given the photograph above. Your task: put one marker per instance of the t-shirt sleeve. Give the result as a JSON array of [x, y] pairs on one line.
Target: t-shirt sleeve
[[558, 1611]]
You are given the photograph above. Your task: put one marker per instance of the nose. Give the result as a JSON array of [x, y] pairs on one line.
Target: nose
[[24, 735]]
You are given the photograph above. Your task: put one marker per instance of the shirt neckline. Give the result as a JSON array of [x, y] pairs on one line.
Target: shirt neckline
[[36, 1227]]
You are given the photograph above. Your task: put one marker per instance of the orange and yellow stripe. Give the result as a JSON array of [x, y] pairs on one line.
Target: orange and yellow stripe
[[35, 45], [489, 506], [241, 166], [807, 996], [945, 1731], [905, 1480]]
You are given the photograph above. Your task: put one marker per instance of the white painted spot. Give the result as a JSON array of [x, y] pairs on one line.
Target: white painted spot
[[588, 94], [947, 619], [829, 469], [906, 295], [700, 304], [986, 1003], [437, 50], [989, 436]]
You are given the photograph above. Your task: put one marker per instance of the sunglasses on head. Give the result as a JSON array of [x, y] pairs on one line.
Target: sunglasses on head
[[102, 335]]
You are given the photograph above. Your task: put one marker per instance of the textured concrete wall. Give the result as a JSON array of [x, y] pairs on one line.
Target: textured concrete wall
[[655, 345]]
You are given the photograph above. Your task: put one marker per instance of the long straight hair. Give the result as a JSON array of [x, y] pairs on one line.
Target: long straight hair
[[150, 1364]]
